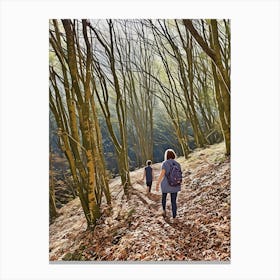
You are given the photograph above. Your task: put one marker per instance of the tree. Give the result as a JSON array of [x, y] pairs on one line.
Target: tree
[[71, 103], [104, 98], [220, 68], [52, 209], [139, 93]]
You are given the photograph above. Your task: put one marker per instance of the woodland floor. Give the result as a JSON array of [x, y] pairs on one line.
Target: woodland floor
[[134, 229]]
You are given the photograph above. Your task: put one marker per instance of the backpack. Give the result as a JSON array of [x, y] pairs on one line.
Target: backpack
[[174, 176]]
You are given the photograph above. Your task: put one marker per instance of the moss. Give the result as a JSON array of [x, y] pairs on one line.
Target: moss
[[219, 158], [76, 256], [130, 212], [67, 257]]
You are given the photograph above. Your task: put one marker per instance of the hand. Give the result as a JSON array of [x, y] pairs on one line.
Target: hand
[[157, 187]]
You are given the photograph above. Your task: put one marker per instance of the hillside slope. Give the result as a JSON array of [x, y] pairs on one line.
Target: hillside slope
[[135, 229]]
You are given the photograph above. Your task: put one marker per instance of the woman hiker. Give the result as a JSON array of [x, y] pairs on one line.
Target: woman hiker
[[168, 164]]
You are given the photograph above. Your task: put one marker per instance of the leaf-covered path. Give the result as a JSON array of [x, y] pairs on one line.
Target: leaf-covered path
[[135, 229]]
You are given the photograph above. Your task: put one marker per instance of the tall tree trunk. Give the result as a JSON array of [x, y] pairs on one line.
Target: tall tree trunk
[[53, 211], [121, 144], [220, 73], [221, 89], [76, 118], [224, 126]]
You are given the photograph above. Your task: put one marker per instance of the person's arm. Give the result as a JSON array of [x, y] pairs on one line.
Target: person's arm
[[153, 175], [162, 173]]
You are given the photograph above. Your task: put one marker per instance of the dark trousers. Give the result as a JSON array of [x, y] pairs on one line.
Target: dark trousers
[[173, 203], [149, 185]]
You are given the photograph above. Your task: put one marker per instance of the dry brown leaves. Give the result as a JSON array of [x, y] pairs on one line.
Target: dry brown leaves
[[135, 230]]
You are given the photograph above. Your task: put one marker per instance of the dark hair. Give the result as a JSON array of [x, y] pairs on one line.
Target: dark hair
[[149, 162], [170, 154]]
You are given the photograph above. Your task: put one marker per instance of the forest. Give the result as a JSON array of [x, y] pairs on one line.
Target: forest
[[121, 92]]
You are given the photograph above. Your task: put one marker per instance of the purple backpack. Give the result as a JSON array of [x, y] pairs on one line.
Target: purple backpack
[[174, 176]]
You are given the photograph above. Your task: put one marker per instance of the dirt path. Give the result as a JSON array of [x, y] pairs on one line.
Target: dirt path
[[135, 228]]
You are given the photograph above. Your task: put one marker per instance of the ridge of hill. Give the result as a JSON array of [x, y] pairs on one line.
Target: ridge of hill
[[134, 229]]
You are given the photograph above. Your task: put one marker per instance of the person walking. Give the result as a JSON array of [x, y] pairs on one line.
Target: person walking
[[170, 167], [149, 175]]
